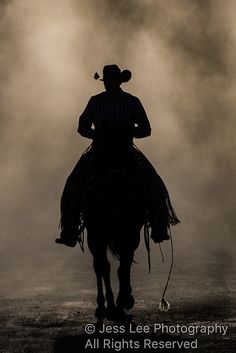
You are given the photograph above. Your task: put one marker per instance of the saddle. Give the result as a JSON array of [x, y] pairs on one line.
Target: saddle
[[122, 184]]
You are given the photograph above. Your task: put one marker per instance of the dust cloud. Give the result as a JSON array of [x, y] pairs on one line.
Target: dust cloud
[[181, 54]]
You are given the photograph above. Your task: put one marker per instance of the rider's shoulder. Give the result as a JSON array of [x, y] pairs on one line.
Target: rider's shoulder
[[99, 96], [126, 96], [131, 97]]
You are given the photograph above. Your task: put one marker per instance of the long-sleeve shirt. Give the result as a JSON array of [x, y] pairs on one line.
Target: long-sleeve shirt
[[114, 117]]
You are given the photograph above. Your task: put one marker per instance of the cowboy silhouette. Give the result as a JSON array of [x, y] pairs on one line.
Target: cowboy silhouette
[[112, 119]]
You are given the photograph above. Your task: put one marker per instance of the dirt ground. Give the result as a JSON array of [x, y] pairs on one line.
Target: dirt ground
[[45, 310]]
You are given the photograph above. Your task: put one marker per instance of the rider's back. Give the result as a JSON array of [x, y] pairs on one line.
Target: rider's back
[[114, 118]]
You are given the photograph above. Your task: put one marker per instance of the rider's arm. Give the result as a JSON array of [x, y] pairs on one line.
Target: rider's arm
[[85, 127], [140, 123]]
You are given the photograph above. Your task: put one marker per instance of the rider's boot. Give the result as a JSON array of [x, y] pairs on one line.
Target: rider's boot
[[70, 223], [158, 234], [68, 238], [159, 228], [70, 233], [157, 219]]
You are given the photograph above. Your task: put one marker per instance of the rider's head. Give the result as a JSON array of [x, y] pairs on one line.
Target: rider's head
[[113, 77]]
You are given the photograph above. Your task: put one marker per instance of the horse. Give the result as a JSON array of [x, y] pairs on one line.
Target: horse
[[114, 213], [109, 194]]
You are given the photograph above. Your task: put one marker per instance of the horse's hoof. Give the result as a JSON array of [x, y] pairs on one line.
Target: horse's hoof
[[122, 316], [126, 302], [129, 302], [111, 312], [100, 312], [115, 313]]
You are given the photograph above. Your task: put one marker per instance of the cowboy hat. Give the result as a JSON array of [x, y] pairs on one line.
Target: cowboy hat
[[113, 72]]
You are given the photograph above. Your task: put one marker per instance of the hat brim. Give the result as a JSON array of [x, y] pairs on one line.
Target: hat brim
[[124, 76]]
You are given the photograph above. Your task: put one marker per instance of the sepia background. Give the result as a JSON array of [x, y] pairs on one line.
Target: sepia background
[[182, 56]]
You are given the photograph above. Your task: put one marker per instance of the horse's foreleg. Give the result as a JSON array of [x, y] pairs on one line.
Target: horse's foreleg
[[102, 270], [100, 310], [107, 281], [125, 299]]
